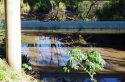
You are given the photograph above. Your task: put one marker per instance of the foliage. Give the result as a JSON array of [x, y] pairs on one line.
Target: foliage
[[26, 67], [8, 74], [58, 10], [38, 5], [72, 4], [113, 11], [61, 10], [5, 77], [25, 8], [87, 9], [2, 73], [25, 58], [89, 62], [83, 9], [1, 9], [14, 77], [0, 24], [25, 63]]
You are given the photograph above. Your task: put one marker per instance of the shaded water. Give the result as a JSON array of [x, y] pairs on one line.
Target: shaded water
[[50, 50], [77, 79]]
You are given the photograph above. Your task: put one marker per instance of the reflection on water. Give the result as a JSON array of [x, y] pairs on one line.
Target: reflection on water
[[50, 50]]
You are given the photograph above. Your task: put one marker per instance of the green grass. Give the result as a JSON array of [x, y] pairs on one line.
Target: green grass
[[1, 9], [8, 74]]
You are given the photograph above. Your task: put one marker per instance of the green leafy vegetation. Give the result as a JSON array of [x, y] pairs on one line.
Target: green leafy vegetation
[[26, 67], [2, 73], [90, 62], [25, 64], [0, 24], [8, 74], [5, 75], [118, 11], [58, 11], [25, 8], [80, 10], [1, 9]]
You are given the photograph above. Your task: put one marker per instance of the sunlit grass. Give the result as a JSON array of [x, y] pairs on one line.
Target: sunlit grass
[[8, 74], [1, 9]]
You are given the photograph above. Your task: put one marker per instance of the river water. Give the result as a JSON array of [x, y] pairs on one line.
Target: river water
[[47, 52]]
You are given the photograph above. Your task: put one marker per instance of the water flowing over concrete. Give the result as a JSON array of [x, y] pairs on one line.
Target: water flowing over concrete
[[99, 27], [96, 27]]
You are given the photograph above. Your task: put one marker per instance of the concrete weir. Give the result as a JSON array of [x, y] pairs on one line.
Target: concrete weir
[[97, 27]]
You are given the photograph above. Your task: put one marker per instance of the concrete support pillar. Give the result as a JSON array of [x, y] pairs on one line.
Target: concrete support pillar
[[13, 33]]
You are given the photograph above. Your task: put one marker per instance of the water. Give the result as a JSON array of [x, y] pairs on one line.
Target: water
[[76, 79], [50, 50]]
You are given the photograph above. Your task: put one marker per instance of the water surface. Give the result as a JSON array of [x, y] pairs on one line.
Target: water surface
[[50, 50]]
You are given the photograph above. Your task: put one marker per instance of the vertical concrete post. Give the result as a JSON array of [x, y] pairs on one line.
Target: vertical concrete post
[[13, 33]]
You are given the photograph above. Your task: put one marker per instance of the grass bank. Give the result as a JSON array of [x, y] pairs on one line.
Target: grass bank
[[8, 74], [1, 9]]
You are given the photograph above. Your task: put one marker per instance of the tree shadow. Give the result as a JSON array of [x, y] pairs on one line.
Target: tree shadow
[[115, 41]]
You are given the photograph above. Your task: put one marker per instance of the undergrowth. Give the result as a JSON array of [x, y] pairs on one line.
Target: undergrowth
[[8, 74]]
